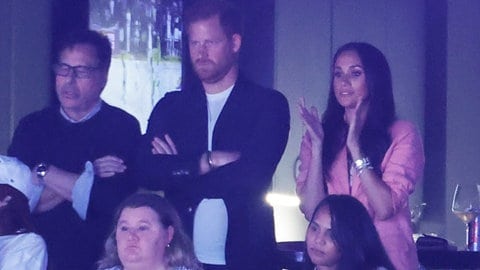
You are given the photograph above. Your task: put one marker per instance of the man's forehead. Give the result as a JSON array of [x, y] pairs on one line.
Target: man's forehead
[[206, 23]]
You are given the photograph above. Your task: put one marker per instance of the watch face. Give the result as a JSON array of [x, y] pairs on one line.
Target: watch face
[[42, 170], [359, 162]]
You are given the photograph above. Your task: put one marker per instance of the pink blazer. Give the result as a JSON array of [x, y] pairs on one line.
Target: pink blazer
[[401, 167]]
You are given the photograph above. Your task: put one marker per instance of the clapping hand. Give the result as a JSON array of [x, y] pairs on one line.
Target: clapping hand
[[355, 122], [311, 121]]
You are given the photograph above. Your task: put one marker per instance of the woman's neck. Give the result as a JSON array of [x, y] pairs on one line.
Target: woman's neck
[[142, 266], [348, 114]]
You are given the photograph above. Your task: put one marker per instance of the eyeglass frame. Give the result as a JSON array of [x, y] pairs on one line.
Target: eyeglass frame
[[78, 73]]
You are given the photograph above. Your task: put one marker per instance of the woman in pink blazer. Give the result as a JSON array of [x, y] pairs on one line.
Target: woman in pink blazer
[[359, 148]]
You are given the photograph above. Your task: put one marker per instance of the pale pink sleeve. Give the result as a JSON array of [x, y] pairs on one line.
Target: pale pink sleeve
[[403, 163]]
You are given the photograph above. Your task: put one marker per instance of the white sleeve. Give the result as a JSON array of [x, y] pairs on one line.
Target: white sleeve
[[81, 190], [27, 252]]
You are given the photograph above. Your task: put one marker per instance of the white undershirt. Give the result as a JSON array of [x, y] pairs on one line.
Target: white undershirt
[[210, 223]]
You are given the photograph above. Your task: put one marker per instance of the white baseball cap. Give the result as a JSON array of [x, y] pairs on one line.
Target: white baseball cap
[[16, 174]]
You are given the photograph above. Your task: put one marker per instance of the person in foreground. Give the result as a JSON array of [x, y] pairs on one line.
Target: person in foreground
[[148, 234], [213, 147], [341, 236], [359, 148], [20, 247], [80, 151]]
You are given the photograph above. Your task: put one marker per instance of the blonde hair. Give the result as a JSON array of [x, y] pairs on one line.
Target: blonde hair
[[179, 252]]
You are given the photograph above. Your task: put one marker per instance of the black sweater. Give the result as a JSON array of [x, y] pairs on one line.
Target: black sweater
[[45, 136]]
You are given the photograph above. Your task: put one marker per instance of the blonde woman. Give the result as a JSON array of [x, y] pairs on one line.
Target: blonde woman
[[148, 235]]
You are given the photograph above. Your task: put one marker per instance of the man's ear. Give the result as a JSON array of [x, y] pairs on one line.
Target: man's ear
[[104, 79], [236, 42]]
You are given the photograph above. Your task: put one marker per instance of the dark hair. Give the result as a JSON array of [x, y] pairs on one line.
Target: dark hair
[[354, 234], [100, 42], [231, 19], [374, 138], [180, 251], [15, 217]]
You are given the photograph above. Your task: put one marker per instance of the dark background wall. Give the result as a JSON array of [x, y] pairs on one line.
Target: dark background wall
[[434, 192], [25, 28]]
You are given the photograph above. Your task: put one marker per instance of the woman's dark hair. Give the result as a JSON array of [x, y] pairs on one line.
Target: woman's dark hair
[[15, 217], [374, 138], [354, 234], [179, 253]]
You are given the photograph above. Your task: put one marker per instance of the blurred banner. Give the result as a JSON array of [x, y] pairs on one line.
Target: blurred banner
[[146, 37]]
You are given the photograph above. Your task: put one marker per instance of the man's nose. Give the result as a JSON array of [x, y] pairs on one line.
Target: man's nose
[[203, 50], [71, 76]]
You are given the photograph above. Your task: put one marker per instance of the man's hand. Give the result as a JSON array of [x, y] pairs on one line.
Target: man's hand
[[108, 166], [217, 159], [222, 158], [164, 146]]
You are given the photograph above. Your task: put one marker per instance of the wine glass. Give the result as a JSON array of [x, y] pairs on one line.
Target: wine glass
[[466, 203]]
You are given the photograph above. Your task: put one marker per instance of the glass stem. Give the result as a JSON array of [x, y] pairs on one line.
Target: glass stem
[[467, 232]]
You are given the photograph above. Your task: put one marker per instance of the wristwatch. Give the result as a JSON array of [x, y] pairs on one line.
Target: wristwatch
[[41, 170], [362, 163]]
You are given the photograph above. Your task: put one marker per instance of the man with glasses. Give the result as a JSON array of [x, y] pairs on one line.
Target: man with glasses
[[213, 147], [79, 150]]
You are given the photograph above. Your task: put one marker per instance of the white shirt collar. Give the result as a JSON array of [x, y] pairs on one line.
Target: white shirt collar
[[220, 95], [89, 115]]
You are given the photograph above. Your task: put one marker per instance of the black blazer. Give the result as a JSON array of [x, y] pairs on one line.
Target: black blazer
[[255, 122]]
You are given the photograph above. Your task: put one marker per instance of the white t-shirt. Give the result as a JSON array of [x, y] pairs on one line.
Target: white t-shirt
[[26, 251], [210, 223]]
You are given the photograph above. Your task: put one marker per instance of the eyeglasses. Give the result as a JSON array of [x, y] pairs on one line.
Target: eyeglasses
[[79, 72]]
